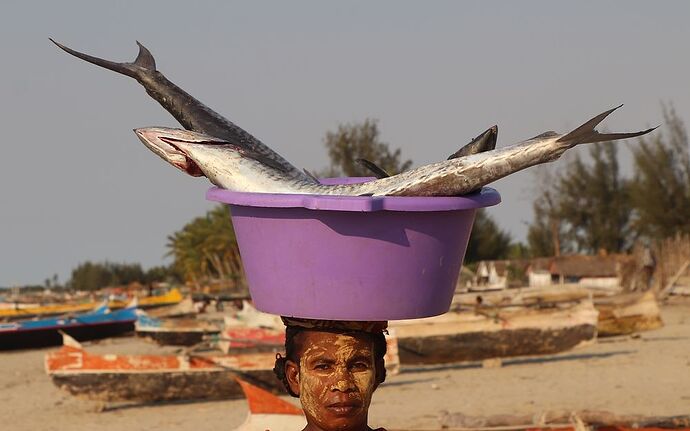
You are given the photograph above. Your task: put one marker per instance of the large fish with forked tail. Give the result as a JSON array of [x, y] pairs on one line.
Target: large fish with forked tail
[[235, 168], [188, 111]]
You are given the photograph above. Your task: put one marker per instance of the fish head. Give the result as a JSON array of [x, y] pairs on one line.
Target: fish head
[[224, 164], [172, 145]]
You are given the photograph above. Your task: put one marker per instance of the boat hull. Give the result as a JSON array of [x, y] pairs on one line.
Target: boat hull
[[52, 337], [175, 338], [627, 314], [496, 333], [486, 345], [162, 386]]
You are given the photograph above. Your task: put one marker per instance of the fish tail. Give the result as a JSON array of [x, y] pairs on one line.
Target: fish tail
[[143, 63], [585, 134]]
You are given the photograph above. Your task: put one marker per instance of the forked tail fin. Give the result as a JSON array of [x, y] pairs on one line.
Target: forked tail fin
[[585, 134], [143, 61]]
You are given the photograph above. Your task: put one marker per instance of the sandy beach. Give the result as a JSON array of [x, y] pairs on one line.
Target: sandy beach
[[647, 374]]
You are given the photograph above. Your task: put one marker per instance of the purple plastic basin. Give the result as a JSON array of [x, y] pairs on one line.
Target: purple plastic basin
[[352, 257]]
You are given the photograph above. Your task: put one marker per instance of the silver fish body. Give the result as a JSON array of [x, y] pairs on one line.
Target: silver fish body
[[233, 168]]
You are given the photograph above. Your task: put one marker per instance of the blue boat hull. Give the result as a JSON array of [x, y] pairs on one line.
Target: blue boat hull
[[51, 337], [46, 332]]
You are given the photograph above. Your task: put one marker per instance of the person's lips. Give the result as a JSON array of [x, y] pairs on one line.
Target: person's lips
[[343, 408]]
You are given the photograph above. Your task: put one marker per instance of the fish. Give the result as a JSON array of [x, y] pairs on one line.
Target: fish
[[230, 167], [484, 142], [188, 111]]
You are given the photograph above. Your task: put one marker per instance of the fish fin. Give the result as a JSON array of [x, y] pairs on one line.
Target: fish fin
[[145, 58], [585, 134], [374, 168], [486, 141], [144, 61], [310, 175]]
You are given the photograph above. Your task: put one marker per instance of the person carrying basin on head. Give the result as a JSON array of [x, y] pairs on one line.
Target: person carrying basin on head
[[333, 367]]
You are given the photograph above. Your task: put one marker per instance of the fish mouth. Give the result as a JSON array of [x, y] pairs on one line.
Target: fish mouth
[[166, 144]]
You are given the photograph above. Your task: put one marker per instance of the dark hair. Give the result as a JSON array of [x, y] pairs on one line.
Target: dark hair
[[292, 352]]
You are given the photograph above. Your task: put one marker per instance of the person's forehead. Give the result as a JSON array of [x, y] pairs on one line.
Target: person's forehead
[[332, 342]]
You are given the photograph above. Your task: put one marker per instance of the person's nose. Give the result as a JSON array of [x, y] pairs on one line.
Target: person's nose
[[344, 382]]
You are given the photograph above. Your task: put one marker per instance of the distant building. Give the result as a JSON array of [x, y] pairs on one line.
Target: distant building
[[595, 271]]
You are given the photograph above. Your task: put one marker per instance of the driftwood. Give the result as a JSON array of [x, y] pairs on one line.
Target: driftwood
[[592, 418]]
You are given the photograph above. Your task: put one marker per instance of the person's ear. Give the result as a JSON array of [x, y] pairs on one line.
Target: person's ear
[[292, 376]]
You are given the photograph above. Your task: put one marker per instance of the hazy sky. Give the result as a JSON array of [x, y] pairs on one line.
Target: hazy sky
[[76, 184]]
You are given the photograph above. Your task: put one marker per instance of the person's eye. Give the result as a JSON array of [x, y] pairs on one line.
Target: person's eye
[[322, 367], [360, 365]]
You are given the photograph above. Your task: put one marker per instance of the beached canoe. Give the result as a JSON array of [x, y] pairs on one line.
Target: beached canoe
[[175, 332], [100, 323], [628, 313], [14, 311], [172, 297], [150, 378], [489, 332]]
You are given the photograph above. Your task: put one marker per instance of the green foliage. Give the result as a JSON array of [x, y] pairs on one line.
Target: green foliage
[[660, 190], [546, 228], [487, 241], [207, 248], [94, 276], [361, 141], [586, 209], [595, 203]]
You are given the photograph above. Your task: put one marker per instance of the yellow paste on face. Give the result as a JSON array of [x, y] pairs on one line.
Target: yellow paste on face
[[335, 368]]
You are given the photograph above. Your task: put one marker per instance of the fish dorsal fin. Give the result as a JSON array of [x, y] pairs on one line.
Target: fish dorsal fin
[[310, 175], [263, 402], [486, 141], [378, 171], [145, 58]]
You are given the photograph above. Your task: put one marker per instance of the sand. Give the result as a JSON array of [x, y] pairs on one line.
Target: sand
[[649, 375]]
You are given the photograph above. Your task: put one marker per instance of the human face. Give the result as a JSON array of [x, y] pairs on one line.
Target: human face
[[335, 379]]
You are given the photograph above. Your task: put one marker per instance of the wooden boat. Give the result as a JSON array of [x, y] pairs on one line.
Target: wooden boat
[[13, 311], [174, 332], [150, 378], [492, 332], [244, 338], [619, 314], [100, 323], [172, 297], [627, 313], [184, 308], [267, 411]]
